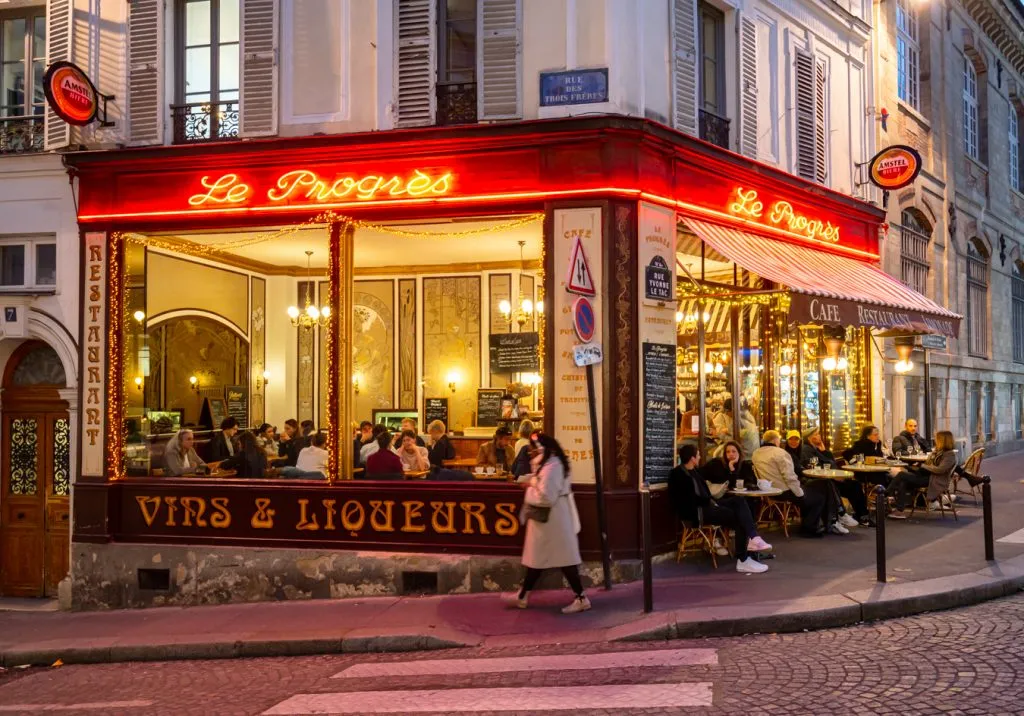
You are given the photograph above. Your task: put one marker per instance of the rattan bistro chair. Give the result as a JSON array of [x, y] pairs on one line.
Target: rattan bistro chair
[[774, 510], [921, 493], [700, 537], [972, 467]]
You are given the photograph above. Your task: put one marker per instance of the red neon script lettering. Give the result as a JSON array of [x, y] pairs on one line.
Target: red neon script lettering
[[782, 214], [305, 184], [228, 189]]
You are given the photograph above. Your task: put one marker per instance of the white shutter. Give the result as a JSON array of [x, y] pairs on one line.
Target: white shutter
[[820, 122], [145, 78], [257, 107], [499, 59], [57, 132], [415, 81], [805, 115], [684, 66], [748, 87]]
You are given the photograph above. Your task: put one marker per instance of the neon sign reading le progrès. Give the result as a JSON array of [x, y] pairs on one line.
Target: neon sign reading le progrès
[[305, 185], [781, 214]]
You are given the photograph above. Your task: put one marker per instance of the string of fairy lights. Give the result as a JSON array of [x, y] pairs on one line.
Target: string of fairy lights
[[118, 281]]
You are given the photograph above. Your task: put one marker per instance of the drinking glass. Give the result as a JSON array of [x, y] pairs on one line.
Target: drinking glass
[[814, 462]]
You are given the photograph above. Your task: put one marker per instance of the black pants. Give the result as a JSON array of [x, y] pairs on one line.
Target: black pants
[[902, 482], [733, 512], [854, 492], [571, 574], [812, 505]]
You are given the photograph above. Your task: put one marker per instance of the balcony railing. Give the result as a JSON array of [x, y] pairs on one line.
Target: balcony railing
[[205, 122], [20, 135], [714, 129], [456, 103]]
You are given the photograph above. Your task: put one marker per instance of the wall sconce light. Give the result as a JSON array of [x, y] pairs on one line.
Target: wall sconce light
[[193, 383], [138, 382], [266, 377], [356, 377], [904, 349], [263, 379], [139, 316], [453, 378]]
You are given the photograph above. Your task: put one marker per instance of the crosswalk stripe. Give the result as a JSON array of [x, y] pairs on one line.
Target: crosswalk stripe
[[534, 699], [568, 662], [1013, 538]]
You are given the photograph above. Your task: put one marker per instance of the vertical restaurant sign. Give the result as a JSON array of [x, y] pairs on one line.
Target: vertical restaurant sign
[[94, 365], [657, 330], [570, 417]]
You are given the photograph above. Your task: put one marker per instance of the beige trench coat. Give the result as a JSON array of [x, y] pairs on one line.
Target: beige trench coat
[[552, 543]]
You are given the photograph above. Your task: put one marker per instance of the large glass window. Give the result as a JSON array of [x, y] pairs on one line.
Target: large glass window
[[977, 300], [908, 53], [1014, 146], [457, 61], [22, 64], [208, 70], [714, 125], [28, 263], [914, 242], [970, 110]]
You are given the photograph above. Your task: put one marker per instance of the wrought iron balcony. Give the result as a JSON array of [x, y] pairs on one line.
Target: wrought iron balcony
[[20, 135], [205, 122], [456, 103], [714, 129]]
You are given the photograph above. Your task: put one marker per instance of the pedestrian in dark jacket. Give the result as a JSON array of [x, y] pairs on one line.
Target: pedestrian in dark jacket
[[693, 503]]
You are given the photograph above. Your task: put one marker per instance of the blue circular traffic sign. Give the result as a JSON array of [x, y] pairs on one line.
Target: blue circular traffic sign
[[583, 319]]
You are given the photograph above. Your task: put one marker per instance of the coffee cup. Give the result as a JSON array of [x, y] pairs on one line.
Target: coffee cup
[[478, 470], [764, 485], [490, 471]]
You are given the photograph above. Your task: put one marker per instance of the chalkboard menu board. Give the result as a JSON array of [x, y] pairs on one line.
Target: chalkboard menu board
[[659, 411], [238, 404], [488, 406], [213, 412], [514, 352], [435, 409]]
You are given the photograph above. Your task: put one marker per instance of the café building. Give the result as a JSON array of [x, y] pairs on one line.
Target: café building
[[435, 274]]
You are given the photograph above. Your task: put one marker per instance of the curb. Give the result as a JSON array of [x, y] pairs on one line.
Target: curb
[[886, 601]]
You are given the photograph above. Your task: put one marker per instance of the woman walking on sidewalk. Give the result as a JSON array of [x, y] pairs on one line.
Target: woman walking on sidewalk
[[552, 523]]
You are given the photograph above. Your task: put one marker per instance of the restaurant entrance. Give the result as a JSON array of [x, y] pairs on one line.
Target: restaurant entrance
[[36, 474]]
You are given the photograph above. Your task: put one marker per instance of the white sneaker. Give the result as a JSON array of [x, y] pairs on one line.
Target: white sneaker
[[720, 549], [934, 504], [750, 566], [847, 520], [837, 529], [579, 604], [758, 545], [948, 499]]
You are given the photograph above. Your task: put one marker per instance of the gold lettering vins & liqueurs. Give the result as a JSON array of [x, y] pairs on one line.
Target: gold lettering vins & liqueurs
[[382, 516], [747, 205], [305, 185]]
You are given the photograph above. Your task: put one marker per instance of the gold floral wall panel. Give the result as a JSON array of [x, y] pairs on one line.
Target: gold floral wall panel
[[258, 327], [324, 294], [500, 290], [451, 339], [373, 346], [407, 344], [306, 356]]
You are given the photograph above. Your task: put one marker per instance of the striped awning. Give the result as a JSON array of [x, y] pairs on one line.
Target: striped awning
[[828, 288]]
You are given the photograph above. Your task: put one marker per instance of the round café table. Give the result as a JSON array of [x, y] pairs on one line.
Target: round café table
[[772, 492], [868, 469], [827, 473], [914, 458]]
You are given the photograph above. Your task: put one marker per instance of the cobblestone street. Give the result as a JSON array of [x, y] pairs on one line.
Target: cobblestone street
[[967, 661]]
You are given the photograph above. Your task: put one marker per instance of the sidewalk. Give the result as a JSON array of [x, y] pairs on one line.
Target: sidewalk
[[932, 564]]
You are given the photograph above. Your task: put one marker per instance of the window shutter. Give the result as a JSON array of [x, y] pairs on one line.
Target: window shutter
[[748, 87], [257, 107], [805, 116], [57, 132], [684, 66], [415, 99], [145, 78], [820, 123], [499, 59]]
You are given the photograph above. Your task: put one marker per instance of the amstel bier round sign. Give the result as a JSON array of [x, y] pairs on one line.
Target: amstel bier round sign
[[70, 93], [895, 167]]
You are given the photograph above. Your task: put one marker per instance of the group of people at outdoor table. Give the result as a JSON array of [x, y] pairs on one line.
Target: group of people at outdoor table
[[802, 471]]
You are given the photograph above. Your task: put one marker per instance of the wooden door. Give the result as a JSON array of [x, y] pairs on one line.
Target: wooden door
[[34, 519]]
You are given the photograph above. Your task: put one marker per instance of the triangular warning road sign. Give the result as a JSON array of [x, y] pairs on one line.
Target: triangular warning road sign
[[580, 280]]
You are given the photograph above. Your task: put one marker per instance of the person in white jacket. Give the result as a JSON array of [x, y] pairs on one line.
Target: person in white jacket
[[551, 543]]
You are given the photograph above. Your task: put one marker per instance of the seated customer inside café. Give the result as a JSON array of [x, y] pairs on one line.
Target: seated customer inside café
[[497, 453]]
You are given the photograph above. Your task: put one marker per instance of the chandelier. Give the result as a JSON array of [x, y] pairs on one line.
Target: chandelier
[[309, 316], [525, 308]]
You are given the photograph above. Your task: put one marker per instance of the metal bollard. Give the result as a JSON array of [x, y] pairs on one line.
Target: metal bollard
[[880, 509], [986, 503], [645, 516]]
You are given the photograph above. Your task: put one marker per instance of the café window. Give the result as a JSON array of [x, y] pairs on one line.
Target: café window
[[977, 300], [915, 238], [445, 325], [22, 64], [908, 53], [28, 263], [207, 62]]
